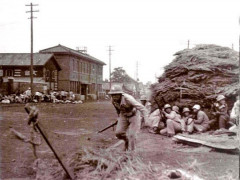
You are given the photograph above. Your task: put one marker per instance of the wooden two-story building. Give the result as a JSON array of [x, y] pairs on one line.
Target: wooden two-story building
[[81, 73], [15, 72]]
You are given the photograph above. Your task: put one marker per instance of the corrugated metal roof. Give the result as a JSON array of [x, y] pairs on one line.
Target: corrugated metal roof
[[23, 59], [63, 49]]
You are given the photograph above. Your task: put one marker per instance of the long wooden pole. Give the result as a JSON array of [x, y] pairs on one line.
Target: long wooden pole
[[38, 126], [31, 57]]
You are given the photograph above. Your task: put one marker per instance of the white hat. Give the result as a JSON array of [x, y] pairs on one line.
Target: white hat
[[116, 89], [167, 106], [143, 98], [175, 108], [197, 106], [220, 97], [222, 106], [186, 110]]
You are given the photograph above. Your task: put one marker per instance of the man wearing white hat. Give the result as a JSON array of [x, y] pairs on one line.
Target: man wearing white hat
[[173, 120], [129, 121], [187, 122], [201, 122], [221, 112]]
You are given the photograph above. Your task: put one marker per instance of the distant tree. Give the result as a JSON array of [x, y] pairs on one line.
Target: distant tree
[[149, 83], [120, 75], [106, 80]]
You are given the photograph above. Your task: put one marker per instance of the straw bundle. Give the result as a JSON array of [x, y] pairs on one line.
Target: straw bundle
[[198, 75]]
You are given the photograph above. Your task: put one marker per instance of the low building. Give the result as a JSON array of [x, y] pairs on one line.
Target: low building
[[81, 73], [15, 72]]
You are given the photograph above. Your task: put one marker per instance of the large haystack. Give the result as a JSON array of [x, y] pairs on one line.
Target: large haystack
[[198, 75]]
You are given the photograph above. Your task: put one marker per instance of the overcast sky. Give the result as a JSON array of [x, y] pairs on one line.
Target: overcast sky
[[147, 31]]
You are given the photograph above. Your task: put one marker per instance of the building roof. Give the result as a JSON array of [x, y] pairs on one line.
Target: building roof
[[63, 49], [23, 59]]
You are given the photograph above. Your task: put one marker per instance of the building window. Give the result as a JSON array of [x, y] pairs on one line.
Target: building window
[[47, 75], [71, 64], [97, 70], [80, 67], [27, 73], [87, 68], [75, 65], [53, 75], [90, 68], [9, 72], [17, 72], [100, 70], [93, 68]]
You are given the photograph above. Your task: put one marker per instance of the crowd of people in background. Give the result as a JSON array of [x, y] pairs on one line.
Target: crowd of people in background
[[170, 121], [60, 96]]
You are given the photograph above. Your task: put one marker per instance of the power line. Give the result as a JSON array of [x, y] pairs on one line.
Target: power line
[[31, 17], [110, 54]]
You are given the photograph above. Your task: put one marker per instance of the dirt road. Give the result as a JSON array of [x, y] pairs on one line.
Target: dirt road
[[72, 126], [69, 127]]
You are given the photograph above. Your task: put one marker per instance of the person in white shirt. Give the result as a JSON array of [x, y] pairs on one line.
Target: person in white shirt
[[173, 121], [187, 122], [154, 117], [27, 95]]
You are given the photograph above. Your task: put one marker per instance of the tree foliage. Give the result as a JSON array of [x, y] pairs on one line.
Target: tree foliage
[[120, 75]]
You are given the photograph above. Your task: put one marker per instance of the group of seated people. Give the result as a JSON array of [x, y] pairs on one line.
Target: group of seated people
[[169, 121], [18, 97], [62, 96], [50, 96]]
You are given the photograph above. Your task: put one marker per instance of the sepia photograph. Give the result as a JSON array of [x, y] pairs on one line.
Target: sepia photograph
[[119, 89]]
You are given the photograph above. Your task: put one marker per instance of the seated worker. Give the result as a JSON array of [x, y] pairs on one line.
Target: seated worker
[[187, 122], [234, 116], [154, 117], [235, 111], [221, 115], [147, 105], [173, 121], [176, 109], [38, 96], [201, 122]]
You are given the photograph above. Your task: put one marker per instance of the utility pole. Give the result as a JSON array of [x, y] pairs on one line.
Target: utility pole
[[96, 81], [110, 53], [137, 70], [188, 43], [232, 47], [31, 66]]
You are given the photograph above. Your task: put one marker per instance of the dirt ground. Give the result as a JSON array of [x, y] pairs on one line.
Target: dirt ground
[[70, 127]]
